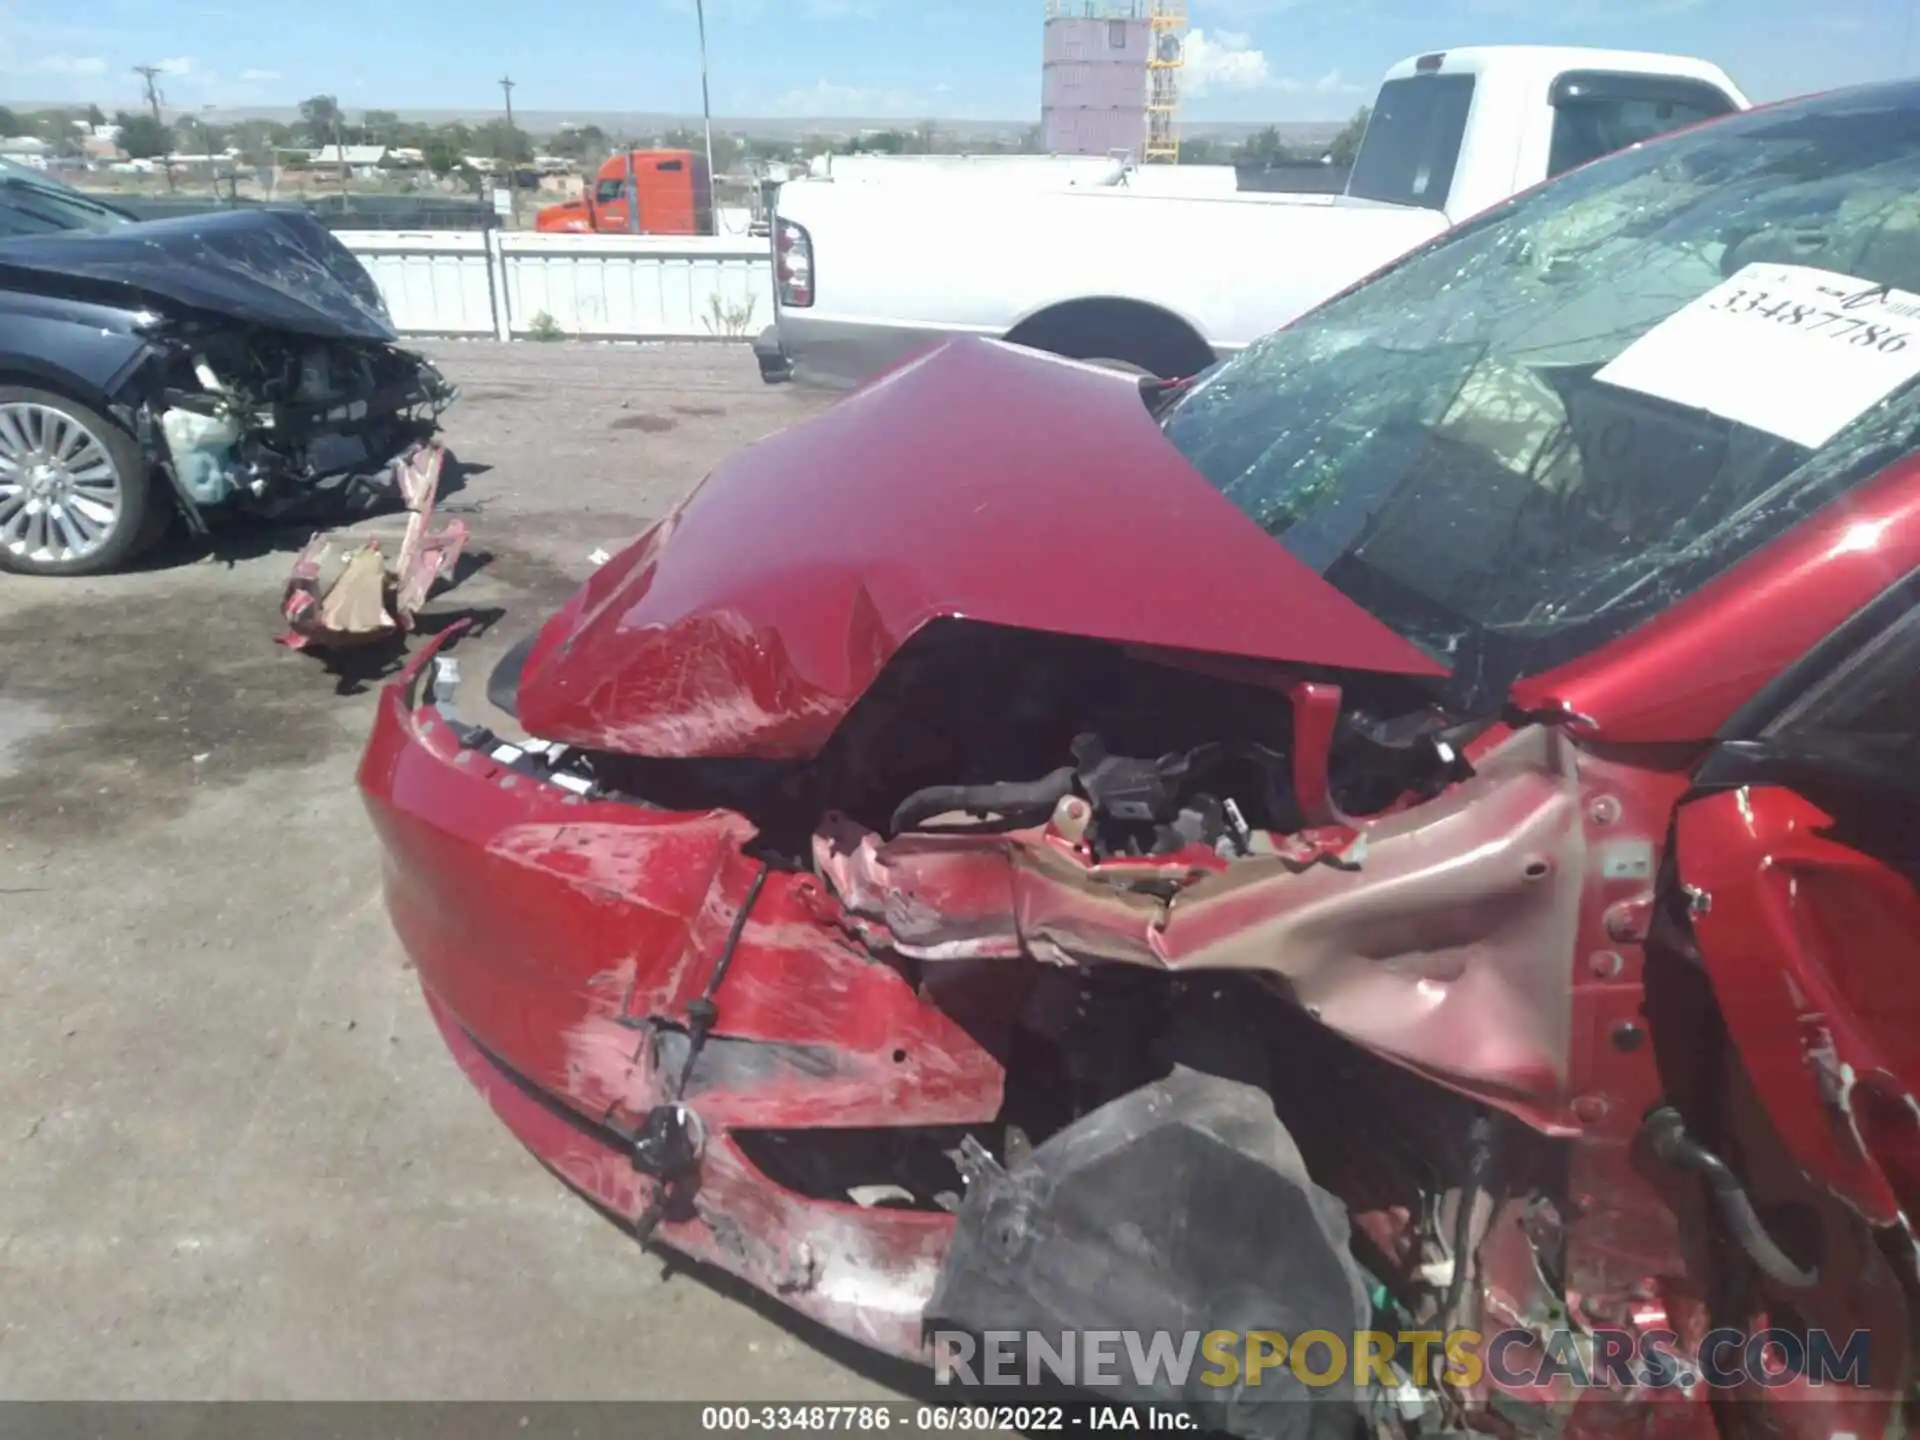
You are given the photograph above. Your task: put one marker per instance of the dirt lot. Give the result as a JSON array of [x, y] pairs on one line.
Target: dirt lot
[[238, 1162]]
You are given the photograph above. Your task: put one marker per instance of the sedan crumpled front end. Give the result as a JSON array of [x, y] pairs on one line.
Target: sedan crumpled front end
[[566, 941], [890, 908], [237, 364]]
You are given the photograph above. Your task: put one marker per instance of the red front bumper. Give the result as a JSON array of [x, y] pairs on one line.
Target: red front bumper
[[554, 933]]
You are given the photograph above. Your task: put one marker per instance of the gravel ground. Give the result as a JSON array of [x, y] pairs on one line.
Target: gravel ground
[[239, 1163]]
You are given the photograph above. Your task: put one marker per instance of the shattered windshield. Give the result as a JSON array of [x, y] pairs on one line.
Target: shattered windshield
[[1542, 430]]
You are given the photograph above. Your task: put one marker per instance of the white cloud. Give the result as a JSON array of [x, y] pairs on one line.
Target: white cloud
[[1225, 60], [259, 77], [824, 98], [73, 65], [181, 65], [1331, 83], [53, 61]]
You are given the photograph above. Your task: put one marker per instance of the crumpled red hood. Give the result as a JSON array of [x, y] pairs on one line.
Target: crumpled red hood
[[982, 481]]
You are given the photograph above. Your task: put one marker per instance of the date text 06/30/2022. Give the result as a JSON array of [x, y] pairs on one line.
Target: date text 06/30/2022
[[906, 1418]]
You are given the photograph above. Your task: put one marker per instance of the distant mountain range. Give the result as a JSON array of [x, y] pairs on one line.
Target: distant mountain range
[[641, 123]]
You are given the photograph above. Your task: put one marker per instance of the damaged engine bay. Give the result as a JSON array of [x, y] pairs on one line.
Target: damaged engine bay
[[238, 365], [279, 426], [975, 724], [1187, 944]]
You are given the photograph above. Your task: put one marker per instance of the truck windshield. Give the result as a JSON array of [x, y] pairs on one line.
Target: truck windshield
[[1553, 423], [1413, 141]]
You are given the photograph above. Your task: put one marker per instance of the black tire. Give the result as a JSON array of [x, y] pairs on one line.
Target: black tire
[[132, 526]]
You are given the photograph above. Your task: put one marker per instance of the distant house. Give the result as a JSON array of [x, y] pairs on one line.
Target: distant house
[[225, 160], [25, 150], [359, 159]]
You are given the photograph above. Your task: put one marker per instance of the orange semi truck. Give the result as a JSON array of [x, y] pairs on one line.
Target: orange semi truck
[[673, 188]]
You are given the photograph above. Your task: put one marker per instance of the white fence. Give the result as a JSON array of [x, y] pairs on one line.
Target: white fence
[[500, 284]]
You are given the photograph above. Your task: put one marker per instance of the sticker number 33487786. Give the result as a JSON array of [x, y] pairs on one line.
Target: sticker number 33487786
[[1834, 324], [1788, 349]]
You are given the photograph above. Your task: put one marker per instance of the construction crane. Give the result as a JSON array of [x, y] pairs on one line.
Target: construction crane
[[1167, 20]]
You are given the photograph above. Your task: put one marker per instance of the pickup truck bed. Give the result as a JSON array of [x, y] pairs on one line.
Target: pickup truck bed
[[1163, 280]]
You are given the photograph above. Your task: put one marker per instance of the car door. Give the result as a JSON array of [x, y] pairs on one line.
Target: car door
[[610, 199], [1800, 853]]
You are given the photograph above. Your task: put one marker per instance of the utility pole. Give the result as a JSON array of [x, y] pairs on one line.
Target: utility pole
[[147, 73], [706, 110], [513, 190]]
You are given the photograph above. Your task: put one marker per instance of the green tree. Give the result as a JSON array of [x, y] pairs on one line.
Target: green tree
[[9, 122], [884, 142], [1346, 144], [142, 136], [381, 127], [1264, 147], [321, 118], [198, 137], [443, 154], [47, 124], [504, 142], [257, 140], [66, 138], [95, 115], [578, 142], [1033, 140], [769, 149]]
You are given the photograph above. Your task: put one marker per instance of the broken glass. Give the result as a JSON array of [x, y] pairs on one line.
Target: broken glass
[[1439, 443]]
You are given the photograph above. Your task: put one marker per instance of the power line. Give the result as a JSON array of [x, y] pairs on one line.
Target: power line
[[506, 142], [148, 73], [706, 108]]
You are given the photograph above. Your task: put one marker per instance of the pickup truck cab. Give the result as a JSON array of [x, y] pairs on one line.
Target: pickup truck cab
[[1166, 282], [670, 189]]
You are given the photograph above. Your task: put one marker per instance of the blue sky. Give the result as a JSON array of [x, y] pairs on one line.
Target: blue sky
[[961, 59]]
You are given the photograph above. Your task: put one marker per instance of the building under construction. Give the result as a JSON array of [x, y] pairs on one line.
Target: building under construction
[[1110, 74]]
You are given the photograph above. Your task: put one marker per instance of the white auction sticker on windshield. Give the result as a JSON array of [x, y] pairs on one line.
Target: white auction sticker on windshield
[[1787, 349]]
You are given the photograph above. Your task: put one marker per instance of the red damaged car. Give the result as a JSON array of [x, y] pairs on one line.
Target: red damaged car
[[1415, 829]]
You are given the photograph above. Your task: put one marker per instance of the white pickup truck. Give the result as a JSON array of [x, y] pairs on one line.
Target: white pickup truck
[[1166, 283]]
